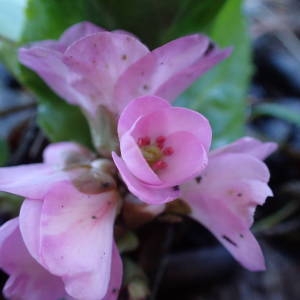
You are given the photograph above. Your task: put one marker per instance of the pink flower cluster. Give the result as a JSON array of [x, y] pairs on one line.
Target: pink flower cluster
[[62, 243]]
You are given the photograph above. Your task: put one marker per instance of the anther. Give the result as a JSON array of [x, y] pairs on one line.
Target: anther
[[159, 165], [160, 140], [168, 151], [143, 141]]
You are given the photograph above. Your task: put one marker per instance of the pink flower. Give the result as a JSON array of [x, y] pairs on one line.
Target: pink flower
[[224, 197], [161, 147], [89, 66], [66, 224]]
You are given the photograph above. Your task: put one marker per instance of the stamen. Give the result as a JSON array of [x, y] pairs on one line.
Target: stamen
[[159, 165], [160, 140], [154, 152], [143, 141], [168, 151]]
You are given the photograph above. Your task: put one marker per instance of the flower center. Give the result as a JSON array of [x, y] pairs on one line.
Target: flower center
[[154, 152]]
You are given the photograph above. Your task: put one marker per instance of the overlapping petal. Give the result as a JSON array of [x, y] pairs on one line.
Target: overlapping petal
[[67, 231], [89, 67], [71, 235], [248, 145], [34, 180], [31, 181], [98, 60], [224, 197], [27, 279], [169, 69], [143, 191]]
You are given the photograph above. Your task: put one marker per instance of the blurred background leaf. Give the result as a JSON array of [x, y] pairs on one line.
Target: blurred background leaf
[[220, 95], [277, 110], [4, 152]]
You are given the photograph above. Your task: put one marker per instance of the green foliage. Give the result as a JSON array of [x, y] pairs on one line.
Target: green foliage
[[278, 111], [152, 21], [220, 94], [60, 120], [3, 152], [191, 17], [48, 19]]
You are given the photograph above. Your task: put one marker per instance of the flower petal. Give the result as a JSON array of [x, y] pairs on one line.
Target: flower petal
[[224, 199], [99, 59], [135, 161], [60, 153], [187, 161], [28, 280], [248, 145], [235, 167], [77, 238], [30, 181], [48, 64], [216, 215], [167, 70], [78, 31], [116, 273], [30, 219], [164, 122], [138, 108], [146, 193], [182, 80]]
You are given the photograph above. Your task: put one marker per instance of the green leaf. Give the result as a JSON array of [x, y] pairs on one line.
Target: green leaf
[[191, 17], [278, 111], [152, 21], [48, 19], [10, 203], [4, 152], [60, 120], [220, 94]]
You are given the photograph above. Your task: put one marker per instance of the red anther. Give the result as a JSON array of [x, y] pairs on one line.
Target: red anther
[[143, 141], [159, 165], [160, 146], [160, 140], [168, 151]]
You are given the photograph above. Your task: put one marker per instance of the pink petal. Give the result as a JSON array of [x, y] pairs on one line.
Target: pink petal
[[30, 219], [187, 161], [28, 280], [116, 273], [216, 215], [56, 154], [77, 238], [48, 64], [99, 59], [135, 161], [234, 167], [248, 145], [224, 199], [138, 108], [167, 121], [182, 80], [78, 31], [167, 70], [30, 181], [146, 193]]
